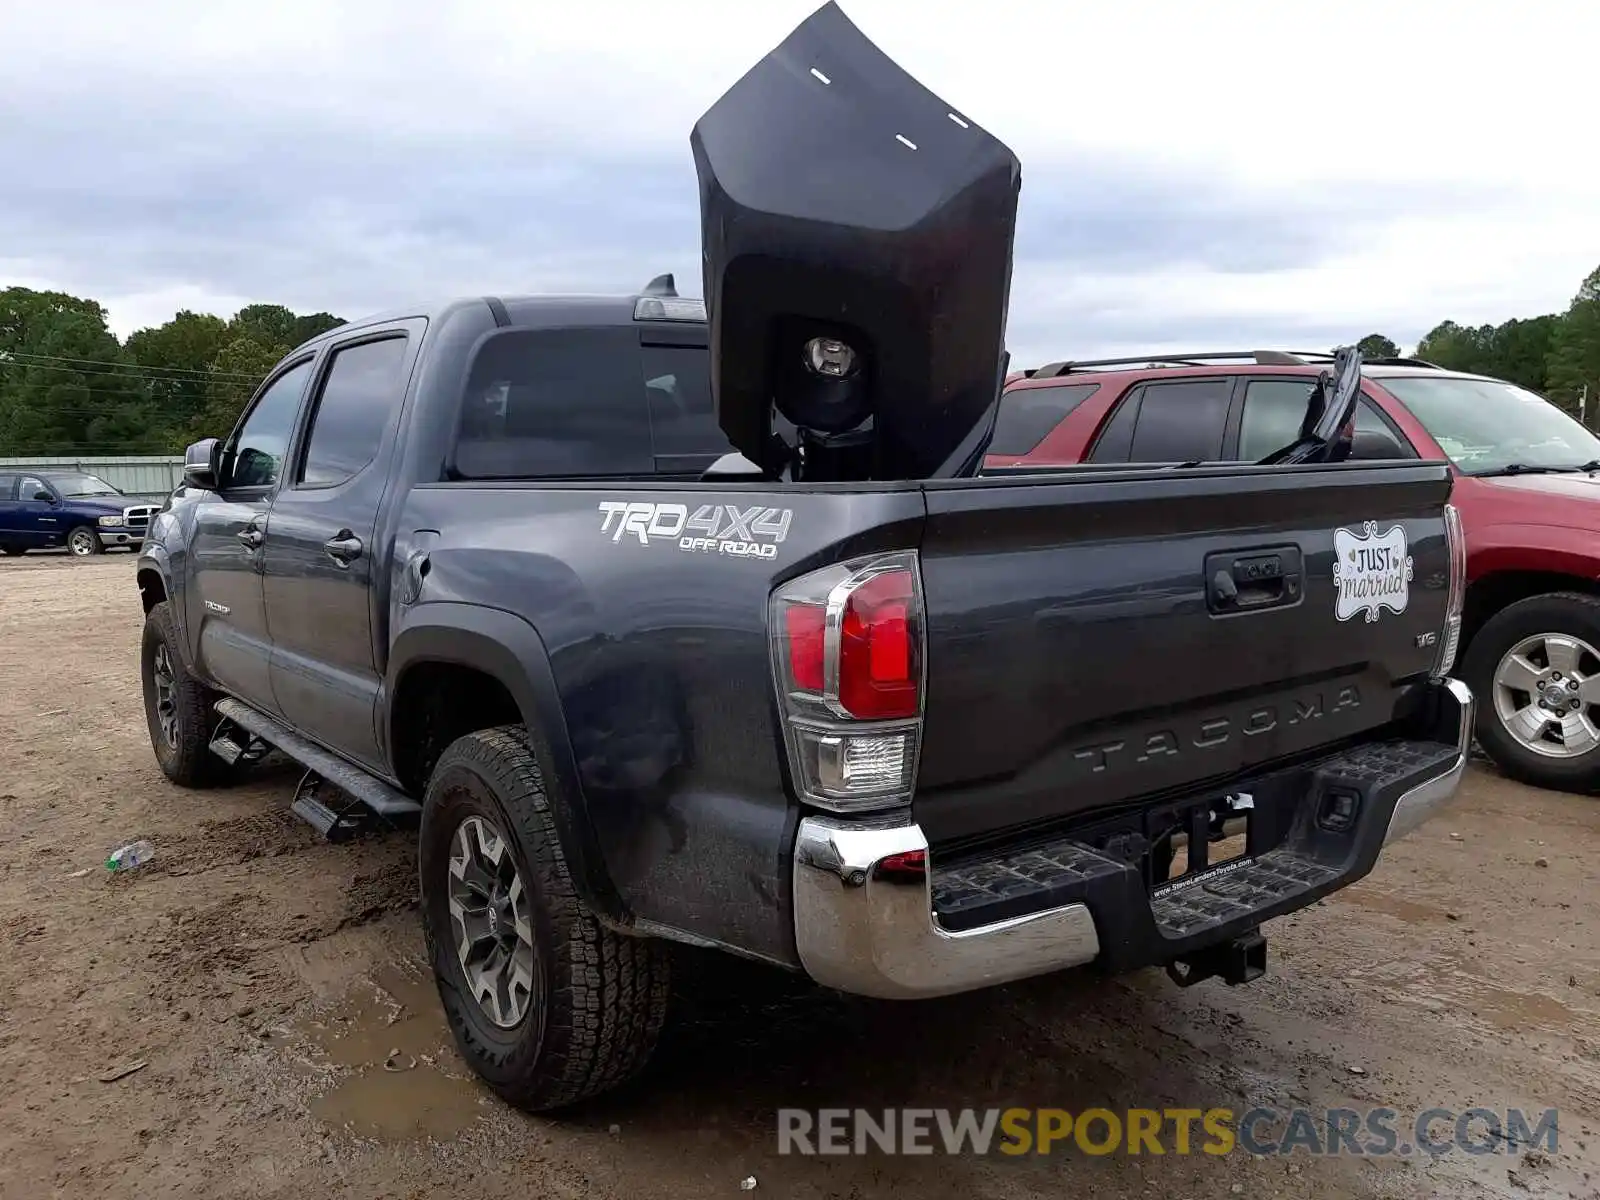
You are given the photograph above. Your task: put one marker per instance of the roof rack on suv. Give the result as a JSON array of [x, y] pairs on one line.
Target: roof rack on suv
[[1401, 362], [1265, 358]]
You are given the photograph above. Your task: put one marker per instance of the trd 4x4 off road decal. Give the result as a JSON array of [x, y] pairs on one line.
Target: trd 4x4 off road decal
[[744, 532], [1372, 571]]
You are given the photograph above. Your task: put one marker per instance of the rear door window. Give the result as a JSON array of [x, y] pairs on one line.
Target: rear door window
[[554, 403], [8, 487], [1180, 420], [363, 387], [1273, 412], [1027, 415]]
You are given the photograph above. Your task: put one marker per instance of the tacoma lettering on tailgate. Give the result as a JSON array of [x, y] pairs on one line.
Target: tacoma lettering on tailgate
[[1213, 732]]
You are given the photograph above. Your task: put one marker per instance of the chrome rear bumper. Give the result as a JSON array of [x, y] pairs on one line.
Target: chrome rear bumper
[[865, 923]]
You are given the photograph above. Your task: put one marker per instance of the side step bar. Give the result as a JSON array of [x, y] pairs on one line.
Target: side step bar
[[374, 794]]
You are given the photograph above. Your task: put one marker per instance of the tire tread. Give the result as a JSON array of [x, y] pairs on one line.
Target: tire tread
[[609, 999]]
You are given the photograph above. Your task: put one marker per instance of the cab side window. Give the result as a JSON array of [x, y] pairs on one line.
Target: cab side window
[[553, 404], [31, 487], [256, 456], [683, 418]]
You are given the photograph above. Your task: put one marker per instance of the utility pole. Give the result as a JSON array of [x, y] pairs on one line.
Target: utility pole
[[1583, 407]]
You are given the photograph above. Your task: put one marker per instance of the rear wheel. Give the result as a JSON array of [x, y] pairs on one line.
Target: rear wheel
[[1534, 668], [547, 1005], [178, 708], [84, 541]]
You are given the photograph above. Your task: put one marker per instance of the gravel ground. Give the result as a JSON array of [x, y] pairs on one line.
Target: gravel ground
[[269, 989]]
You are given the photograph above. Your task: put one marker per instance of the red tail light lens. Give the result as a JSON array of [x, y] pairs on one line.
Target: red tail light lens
[[878, 669], [804, 625], [847, 654]]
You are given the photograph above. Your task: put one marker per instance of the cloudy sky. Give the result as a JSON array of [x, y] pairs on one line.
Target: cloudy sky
[[1235, 174]]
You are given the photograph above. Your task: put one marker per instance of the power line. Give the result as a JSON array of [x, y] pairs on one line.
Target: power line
[[134, 399], [131, 377], [204, 372], [123, 373]]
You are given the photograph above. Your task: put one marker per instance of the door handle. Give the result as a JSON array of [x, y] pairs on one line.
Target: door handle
[[343, 549], [251, 537], [1246, 580]]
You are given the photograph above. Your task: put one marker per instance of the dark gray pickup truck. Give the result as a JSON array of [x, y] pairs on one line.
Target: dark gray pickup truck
[[671, 622]]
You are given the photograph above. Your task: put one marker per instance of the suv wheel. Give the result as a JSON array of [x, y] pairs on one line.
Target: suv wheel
[[84, 541], [547, 1005], [1535, 670], [177, 707]]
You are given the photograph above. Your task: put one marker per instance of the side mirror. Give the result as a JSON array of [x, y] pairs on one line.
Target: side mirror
[[1370, 446], [200, 464], [45, 496]]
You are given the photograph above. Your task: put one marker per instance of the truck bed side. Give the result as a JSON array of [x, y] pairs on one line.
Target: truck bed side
[[1073, 663]]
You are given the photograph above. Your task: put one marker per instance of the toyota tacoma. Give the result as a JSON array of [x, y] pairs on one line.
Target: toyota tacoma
[[670, 621]]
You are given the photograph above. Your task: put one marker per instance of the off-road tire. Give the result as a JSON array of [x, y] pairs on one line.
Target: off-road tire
[[190, 762], [604, 995], [1572, 613], [88, 538]]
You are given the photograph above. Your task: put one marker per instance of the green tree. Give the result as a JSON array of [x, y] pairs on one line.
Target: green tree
[[266, 325], [236, 371], [1573, 361], [65, 383], [1455, 347], [312, 324], [176, 360], [1521, 349], [1375, 345]]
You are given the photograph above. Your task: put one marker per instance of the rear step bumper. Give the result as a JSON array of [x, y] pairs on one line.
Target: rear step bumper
[[872, 919]]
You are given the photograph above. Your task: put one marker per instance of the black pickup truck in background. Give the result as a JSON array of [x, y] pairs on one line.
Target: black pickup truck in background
[[830, 702]]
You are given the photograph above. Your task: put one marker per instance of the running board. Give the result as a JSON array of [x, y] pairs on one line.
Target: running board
[[378, 796], [336, 824]]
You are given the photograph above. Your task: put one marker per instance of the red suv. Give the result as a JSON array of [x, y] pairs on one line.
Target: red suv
[[1527, 488]]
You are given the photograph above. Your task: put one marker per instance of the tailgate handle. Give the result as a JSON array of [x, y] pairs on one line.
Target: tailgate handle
[[1245, 580]]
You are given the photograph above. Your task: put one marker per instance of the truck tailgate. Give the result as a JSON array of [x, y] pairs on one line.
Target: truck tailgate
[[1084, 651]]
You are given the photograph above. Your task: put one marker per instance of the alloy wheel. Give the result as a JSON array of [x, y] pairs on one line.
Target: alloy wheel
[[1546, 689], [166, 695], [489, 913]]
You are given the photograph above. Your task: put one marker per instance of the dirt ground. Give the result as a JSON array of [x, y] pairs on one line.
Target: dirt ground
[[266, 980]]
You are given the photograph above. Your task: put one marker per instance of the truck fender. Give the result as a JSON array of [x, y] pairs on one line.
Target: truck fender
[[510, 650], [155, 561]]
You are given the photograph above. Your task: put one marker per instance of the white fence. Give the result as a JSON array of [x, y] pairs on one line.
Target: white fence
[[136, 474]]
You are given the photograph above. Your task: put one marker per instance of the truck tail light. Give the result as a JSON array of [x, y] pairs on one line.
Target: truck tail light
[[848, 654], [1450, 640]]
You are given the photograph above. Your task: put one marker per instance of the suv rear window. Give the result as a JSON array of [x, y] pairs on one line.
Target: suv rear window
[[1028, 414], [552, 403]]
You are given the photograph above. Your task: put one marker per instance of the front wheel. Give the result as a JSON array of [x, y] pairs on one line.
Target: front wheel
[[547, 1005], [1534, 668], [84, 541], [178, 708]]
